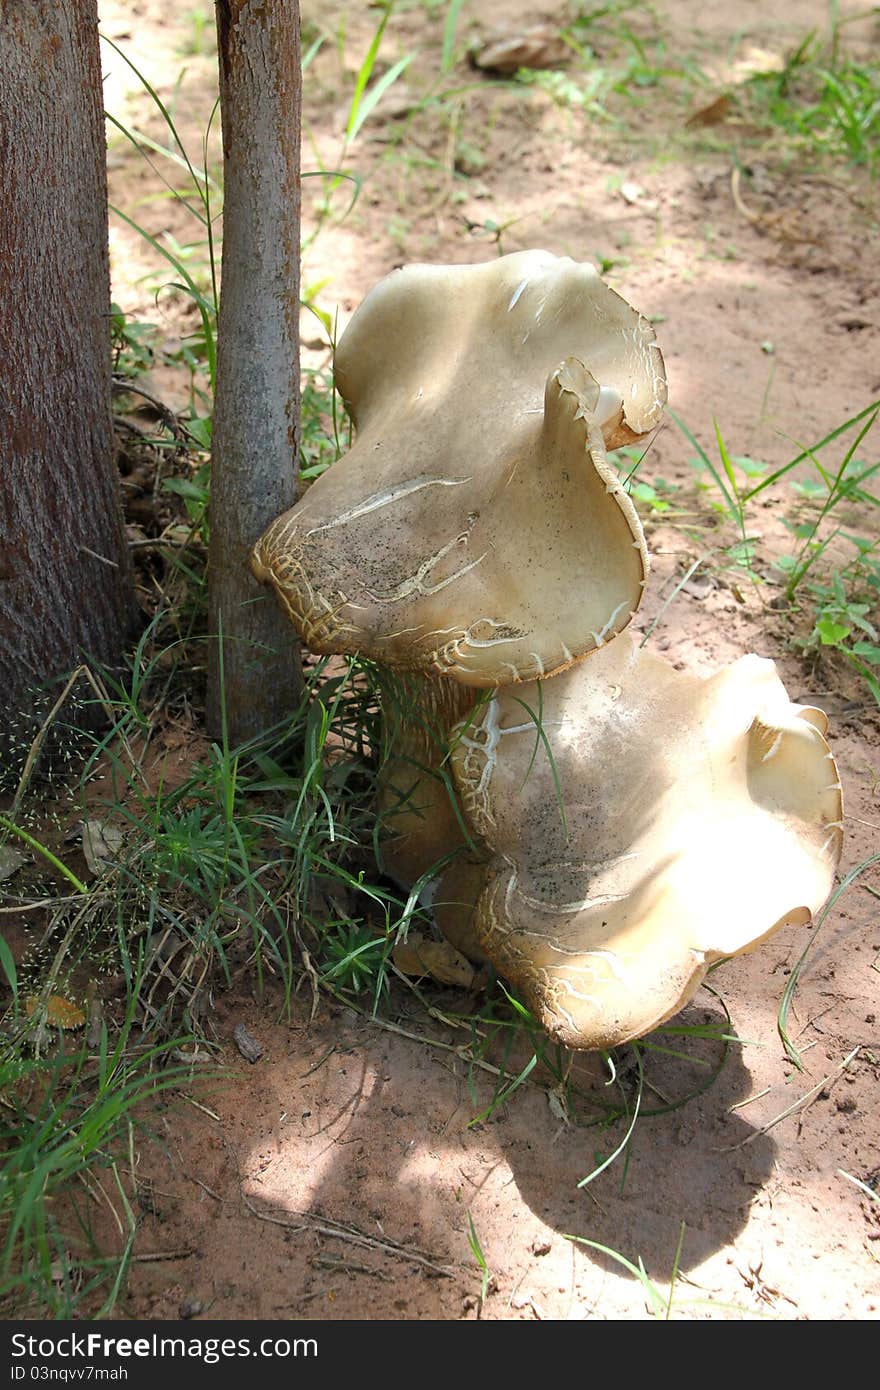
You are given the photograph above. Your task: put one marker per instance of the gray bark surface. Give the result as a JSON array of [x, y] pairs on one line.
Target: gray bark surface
[[65, 588], [256, 420]]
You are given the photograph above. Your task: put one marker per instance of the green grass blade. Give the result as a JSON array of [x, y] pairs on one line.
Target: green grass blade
[[733, 508], [312, 51], [372, 98], [606, 1163], [542, 736], [160, 106], [791, 984], [447, 59], [507, 1092], [46, 853], [364, 75], [191, 286], [477, 1252], [771, 478], [656, 1299], [7, 962], [725, 458]]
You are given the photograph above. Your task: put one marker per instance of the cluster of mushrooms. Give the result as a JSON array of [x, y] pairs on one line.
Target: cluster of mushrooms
[[597, 825]]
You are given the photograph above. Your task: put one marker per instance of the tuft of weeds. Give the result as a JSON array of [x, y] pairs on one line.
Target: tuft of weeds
[[830, 578], [822, 100], [66, 1120]]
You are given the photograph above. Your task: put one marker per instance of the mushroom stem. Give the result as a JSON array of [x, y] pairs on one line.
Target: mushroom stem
[[418, 803]]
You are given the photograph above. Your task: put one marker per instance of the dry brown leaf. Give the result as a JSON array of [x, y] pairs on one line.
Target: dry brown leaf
[[101, 844], [10, 861], [250, 1047], [417, 957], [537, 47], [60, 1012], [713, 114]]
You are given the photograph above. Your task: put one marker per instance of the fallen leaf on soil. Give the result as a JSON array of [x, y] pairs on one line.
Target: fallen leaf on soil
[[417, 956], [101, 844], [537, 47], [250, 1049], [698, 588], [558, 1105], [713, 114], [634, 196], [60, 1012], [10, 861]]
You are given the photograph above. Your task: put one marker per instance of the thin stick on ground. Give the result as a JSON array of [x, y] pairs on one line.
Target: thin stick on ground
[[305, 1220], [827, 1082]]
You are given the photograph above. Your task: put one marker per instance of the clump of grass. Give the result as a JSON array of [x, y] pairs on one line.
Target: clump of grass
[[66, 1120], [831, 576], [822, 99]]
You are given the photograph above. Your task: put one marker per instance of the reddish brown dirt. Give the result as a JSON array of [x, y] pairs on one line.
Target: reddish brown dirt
[[336, 1177]]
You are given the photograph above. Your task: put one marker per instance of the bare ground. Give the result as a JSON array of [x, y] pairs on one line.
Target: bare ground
[[337, 1176]]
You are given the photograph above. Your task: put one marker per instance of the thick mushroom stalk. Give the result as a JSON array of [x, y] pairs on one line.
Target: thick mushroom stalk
[[476, 529], [428, 840], [643, 824]]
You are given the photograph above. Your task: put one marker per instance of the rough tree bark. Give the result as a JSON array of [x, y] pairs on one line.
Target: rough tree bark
[[256, 418], [65, 587]]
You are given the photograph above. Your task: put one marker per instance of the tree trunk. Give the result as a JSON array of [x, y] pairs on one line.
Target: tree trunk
[[65, 584], [256, 419]]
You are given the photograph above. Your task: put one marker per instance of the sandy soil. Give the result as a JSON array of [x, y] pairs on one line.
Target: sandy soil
[[337, 1176]]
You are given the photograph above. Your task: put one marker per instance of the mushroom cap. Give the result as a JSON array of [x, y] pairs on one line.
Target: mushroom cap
[[476, 528], [699, 817]]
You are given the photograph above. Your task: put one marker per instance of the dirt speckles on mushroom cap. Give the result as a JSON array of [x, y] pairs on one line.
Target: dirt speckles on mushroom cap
[[476, 529], [680, 821]]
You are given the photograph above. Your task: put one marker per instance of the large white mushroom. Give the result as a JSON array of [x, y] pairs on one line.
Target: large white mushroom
[[476, 529], [621, 826], [642, 824]]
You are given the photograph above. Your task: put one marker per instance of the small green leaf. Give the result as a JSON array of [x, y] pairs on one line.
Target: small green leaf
[[810, 488], [752, 468], [785, 563], [7, 962], [868, 651], [831, 634], [200, 429]]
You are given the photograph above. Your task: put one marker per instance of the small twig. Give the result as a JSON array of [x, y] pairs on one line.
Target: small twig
[[309, 971], [320, 1062], [32, 906], [122, 423], [166, 542], [459, 1049], [127, 388], [84, 550], [37, 745], [154, 1256], [337, 1231], [753, 217], [305, 1298], [204, 1109], [828, 1081], [740, 1104], [210, 1191], [327, 1262]]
